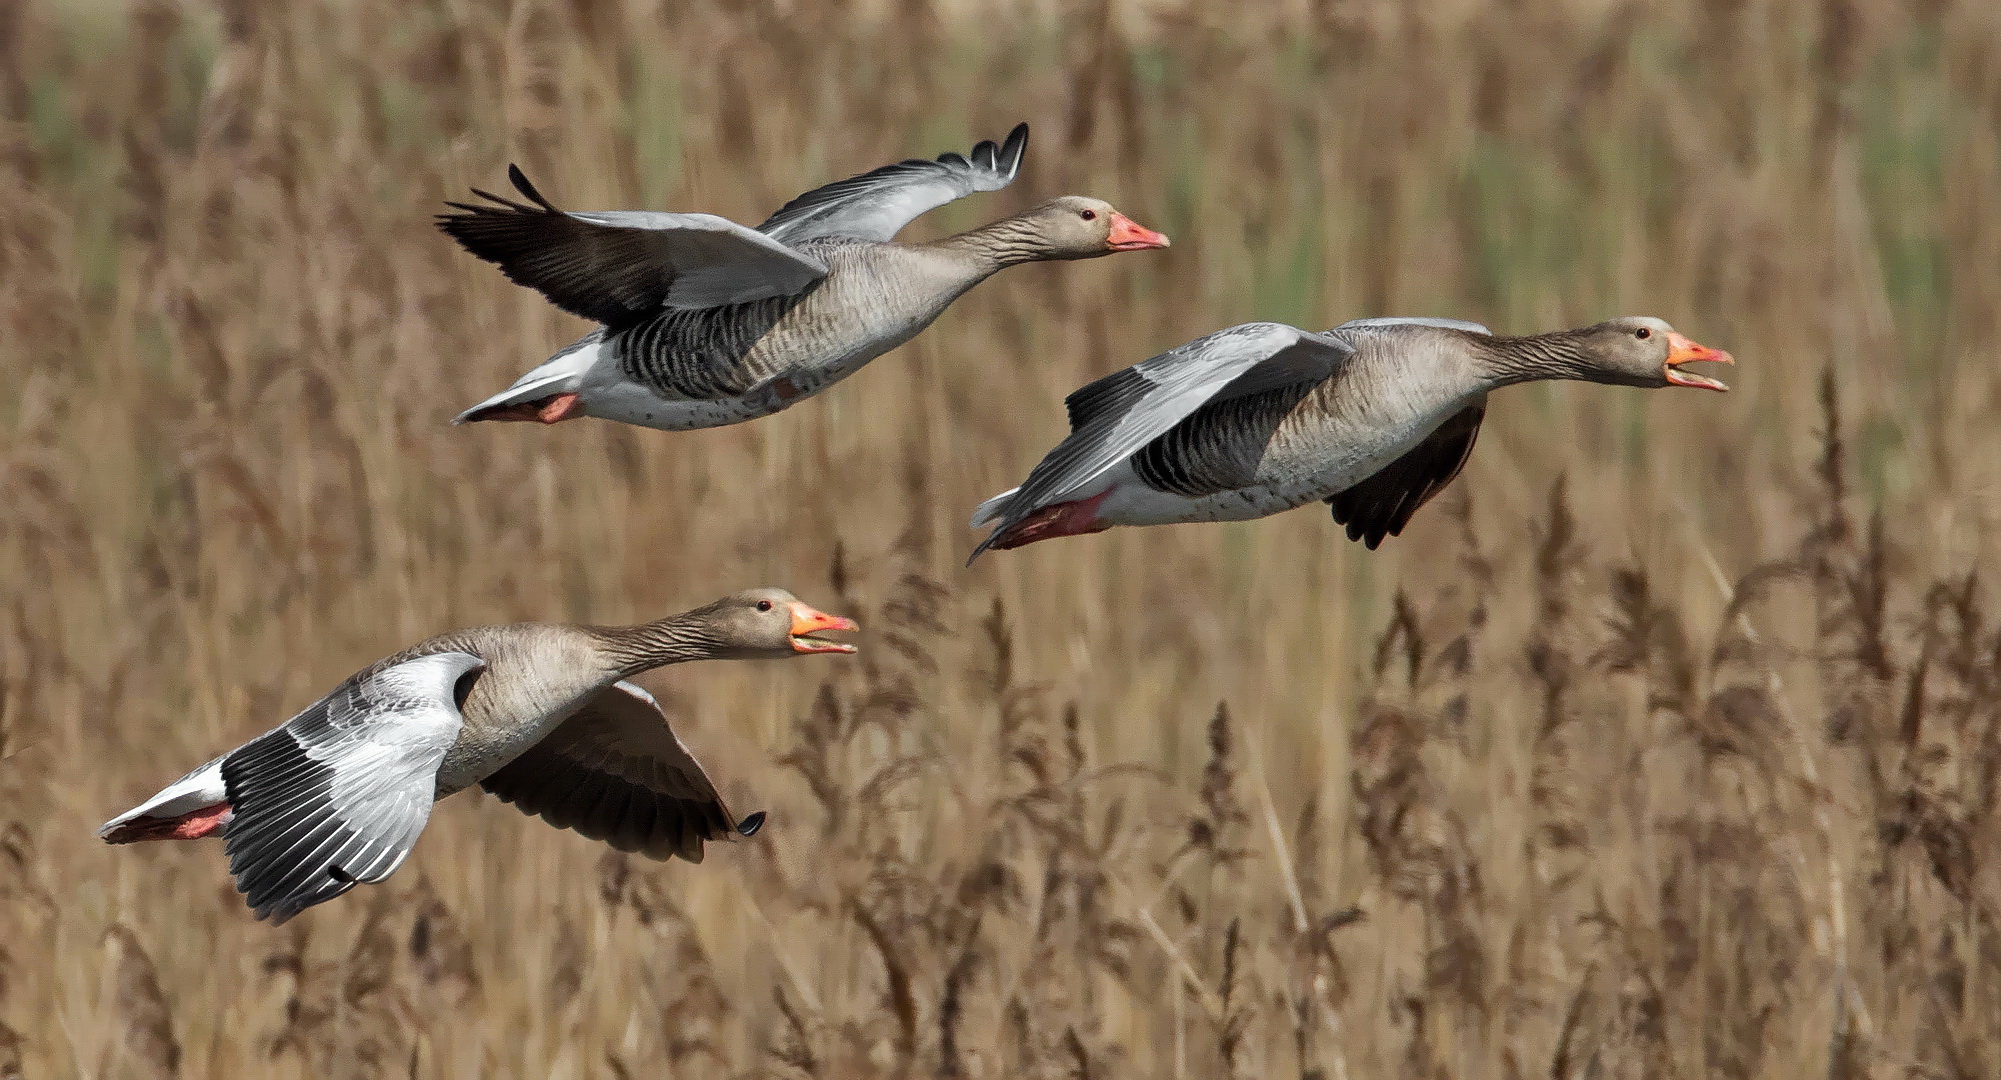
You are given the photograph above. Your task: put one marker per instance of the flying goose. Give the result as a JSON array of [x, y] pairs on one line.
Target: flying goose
[[706, 322], [1373, 417], [538, 714]]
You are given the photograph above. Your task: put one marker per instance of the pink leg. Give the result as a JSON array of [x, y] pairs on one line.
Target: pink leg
[[1077, 518], [193, 825], [560, 408], [549, 410]]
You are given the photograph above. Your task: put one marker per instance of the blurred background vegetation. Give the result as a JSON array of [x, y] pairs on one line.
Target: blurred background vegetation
[[1665, 743]]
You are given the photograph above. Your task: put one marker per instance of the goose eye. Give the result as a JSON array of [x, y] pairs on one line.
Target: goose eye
[[1088, 215], [764, 605], [1643, 333]]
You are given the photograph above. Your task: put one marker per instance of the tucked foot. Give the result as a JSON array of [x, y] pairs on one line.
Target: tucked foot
[[193, 825], [1078, 518], [548, 410]]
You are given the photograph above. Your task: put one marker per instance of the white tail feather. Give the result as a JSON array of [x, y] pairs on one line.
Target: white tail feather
[[990, 511], [198, 789], [560, 374]]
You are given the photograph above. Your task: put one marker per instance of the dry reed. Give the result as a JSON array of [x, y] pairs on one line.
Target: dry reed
[[1666, 744]]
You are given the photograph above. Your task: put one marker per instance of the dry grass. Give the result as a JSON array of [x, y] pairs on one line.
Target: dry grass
[[1665, 745]]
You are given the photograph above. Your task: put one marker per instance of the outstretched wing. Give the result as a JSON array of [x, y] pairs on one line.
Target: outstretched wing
[[616, 266], [338, 795], [1113, 418], [615, 772], [877, 204], [1382, 504], [1411, 320]]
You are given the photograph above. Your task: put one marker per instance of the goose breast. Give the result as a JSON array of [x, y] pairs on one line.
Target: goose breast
[[538, 674]]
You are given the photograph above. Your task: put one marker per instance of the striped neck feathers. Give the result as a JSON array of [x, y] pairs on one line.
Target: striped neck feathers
[[675, 639], [1007, 242], [1563, 354]]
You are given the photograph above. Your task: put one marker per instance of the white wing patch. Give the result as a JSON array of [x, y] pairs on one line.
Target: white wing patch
[[338, 795]]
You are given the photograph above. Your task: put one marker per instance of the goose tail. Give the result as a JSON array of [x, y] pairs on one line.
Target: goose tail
[[562, 373], [990, 511], [195, 805]]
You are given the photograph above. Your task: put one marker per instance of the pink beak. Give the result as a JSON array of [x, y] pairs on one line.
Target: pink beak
[[806, 621], [1129, 235], [1681, 351]]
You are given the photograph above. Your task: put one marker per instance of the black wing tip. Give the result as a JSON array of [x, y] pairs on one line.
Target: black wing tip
[[1007, 161], [1371, 534], [281, 908], [1013, 150], [748, 827], [1000, 159], [496, 207], [520, 181], [1352, 522]]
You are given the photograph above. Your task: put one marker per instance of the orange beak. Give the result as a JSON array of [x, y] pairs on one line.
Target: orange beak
[[1683, 351], [807, 622], [1130, 235]]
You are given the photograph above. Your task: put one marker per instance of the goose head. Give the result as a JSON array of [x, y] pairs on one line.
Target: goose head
[[1644, 351], [760, 623], [1080, 227]]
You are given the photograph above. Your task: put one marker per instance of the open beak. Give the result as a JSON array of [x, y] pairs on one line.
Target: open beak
[[1130, 235], [1683, 351], [806, 622]]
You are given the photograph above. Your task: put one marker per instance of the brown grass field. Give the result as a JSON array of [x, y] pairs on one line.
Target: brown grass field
[[1666, 744]]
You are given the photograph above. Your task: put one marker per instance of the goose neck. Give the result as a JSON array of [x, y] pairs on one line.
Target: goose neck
[[1504, 361], [1005, 243], [673, 640]]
